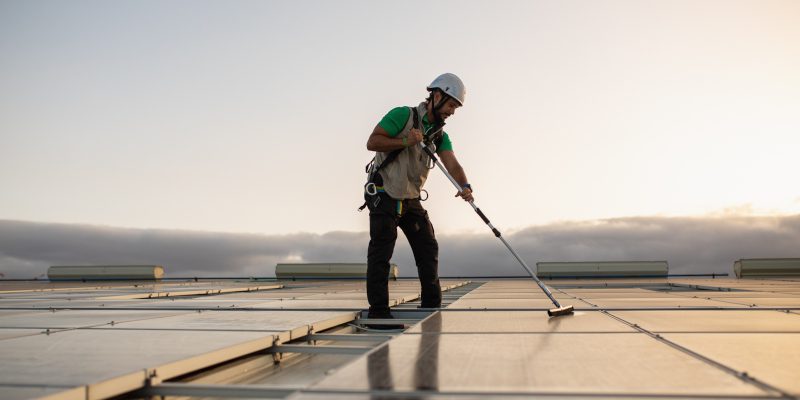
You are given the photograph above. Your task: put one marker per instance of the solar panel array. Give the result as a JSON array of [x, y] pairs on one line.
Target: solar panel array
[[640, 338]]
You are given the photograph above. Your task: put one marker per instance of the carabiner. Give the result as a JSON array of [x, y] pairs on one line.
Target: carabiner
[[370, 189]]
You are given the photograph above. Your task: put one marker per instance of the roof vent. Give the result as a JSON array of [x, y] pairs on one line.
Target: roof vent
[[326, 270], [602, 269], [104, 272], [766, 267]]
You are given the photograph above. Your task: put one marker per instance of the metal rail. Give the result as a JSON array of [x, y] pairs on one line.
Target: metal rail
[[349, 337], [275, 391], [306, 349], [420, 309]]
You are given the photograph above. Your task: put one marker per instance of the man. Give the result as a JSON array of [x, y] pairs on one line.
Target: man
[[394, 197]]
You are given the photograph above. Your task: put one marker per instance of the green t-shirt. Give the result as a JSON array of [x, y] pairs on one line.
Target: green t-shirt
[[395, 120]]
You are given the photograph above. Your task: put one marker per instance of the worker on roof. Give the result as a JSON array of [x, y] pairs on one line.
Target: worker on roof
[[397, 174]]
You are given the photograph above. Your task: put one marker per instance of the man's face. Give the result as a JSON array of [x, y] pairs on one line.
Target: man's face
[[449, 107]]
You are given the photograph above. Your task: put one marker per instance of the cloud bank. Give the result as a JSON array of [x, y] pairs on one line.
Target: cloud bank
[[690, 244]]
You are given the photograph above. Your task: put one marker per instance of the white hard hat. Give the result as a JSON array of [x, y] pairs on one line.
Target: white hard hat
[[451, 85]]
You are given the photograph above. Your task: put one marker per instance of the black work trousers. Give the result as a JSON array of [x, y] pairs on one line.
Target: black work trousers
[[384, 218]]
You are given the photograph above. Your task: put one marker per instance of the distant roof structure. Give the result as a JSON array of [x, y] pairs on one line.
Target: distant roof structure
[[766, 267], [644, 338], [327, 270], [105, 272], [602, 269]]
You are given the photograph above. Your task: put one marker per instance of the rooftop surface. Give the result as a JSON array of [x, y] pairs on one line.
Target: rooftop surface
[[634, 338]]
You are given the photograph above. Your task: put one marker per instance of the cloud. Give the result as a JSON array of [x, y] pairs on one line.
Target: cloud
[[690, 244]]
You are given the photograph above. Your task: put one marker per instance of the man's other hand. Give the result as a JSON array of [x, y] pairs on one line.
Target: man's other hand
[[465, 194]]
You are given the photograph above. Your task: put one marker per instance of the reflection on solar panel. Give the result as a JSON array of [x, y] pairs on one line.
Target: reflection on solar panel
[[634, 338]]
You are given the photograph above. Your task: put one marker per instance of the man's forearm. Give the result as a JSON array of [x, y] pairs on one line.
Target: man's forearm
[[458, 174], [385, 143], [453, 167]]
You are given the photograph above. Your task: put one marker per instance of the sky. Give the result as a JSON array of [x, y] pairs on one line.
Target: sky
[[251, 117]]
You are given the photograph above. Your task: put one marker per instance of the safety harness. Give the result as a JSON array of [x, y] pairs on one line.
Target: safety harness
[[374, 184]]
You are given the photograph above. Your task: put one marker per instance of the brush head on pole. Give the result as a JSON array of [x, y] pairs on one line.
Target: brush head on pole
[[557, 312]]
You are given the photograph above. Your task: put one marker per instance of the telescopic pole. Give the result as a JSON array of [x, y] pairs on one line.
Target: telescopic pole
[[494, 230]]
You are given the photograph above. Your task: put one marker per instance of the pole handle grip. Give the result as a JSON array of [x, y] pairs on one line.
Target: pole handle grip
[[483, 217]]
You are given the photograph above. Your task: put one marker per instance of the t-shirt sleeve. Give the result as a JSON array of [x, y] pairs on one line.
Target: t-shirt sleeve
[[446, 144], [395, 120]]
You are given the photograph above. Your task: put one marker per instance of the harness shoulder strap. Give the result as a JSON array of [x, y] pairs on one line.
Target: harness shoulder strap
[[395, 153]]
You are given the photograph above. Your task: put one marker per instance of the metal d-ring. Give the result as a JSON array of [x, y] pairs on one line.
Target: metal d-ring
[[371, 189]]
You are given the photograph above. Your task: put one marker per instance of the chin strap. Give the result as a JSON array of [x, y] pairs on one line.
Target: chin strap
[[437, 118]]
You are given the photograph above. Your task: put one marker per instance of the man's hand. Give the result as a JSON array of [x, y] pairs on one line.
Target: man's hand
[[414, 137], [465, 194]]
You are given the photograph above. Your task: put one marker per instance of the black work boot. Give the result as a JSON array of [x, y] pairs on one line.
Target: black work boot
[[381, 326]]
